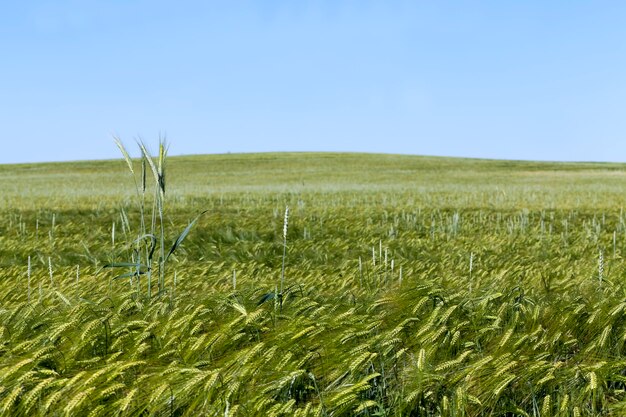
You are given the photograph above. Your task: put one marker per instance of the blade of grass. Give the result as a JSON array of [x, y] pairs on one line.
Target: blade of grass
[[124, 265], [148, 159], [127, 158], [183, 235]]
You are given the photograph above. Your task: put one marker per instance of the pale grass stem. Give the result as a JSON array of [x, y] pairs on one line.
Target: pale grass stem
[[275, 304], [28, 275], [471, 266], [360, 272], [175, 282], [50, 271], [601, 267], [285, 228]]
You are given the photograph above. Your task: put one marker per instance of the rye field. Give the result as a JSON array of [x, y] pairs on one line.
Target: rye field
[[395, 286]]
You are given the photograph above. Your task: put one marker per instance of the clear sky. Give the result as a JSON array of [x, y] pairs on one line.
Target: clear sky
[[531, 79]]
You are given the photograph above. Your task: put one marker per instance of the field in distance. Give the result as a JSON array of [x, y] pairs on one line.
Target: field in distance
[[412, 286]]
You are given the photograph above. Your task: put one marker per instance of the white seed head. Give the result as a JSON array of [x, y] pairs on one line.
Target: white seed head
[[286, 222]]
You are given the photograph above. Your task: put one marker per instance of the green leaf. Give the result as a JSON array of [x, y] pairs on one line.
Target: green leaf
[[183, 235], [128, 275], [146, 236], [124, 265], [266, 297]]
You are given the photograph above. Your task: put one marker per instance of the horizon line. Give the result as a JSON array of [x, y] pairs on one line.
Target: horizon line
[[183, 155]]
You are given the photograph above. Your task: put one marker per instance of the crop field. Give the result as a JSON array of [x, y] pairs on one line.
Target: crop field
[[395, 286]]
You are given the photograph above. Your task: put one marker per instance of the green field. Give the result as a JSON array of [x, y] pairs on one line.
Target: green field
[[413, 286]]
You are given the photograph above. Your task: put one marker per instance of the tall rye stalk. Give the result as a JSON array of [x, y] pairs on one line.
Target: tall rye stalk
[[158, 171], [285, 227], [601, 267], [277, 295], [145, 245]]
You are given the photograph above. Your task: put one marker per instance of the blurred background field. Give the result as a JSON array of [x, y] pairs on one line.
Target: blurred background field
[[430, 181]]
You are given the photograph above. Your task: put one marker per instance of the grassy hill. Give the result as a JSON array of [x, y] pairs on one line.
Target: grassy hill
[[474, 181], [412, 286]]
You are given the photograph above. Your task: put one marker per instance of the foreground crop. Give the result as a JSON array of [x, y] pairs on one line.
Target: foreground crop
[[392, 306]]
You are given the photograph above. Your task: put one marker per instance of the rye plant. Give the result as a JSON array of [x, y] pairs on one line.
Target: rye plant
[[148, 250], [278, 295]]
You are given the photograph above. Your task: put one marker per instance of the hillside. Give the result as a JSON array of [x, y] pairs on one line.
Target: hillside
[[477, 182]]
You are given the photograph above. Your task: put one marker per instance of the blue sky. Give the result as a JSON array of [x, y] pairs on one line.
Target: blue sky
[[493, 79]]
